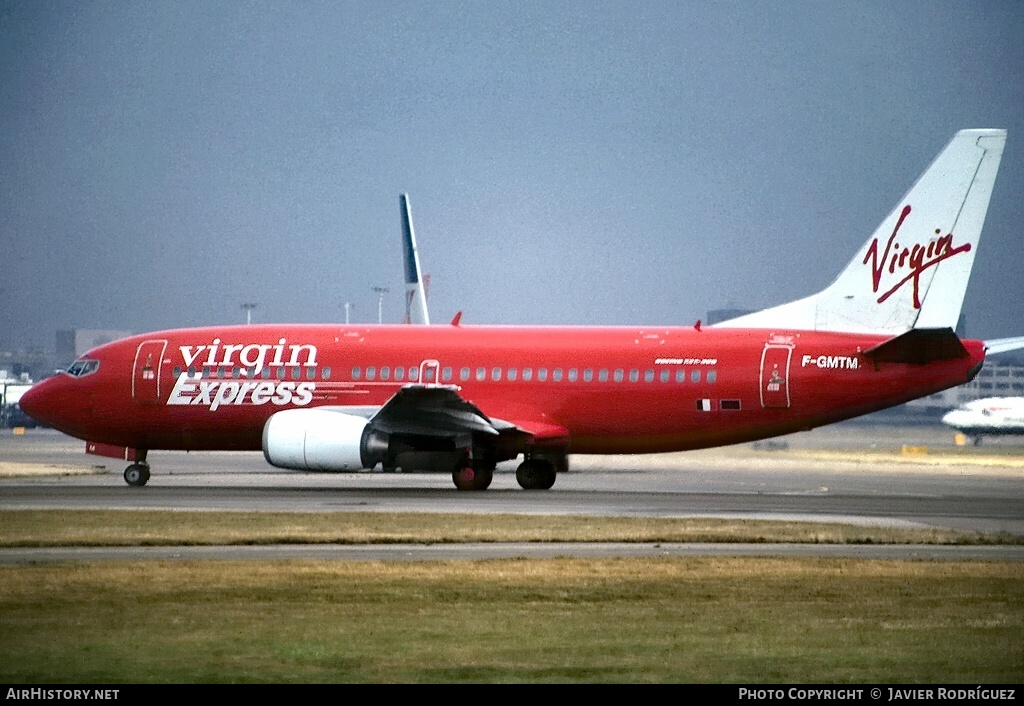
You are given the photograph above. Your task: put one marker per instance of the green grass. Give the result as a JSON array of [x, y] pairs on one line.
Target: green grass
[[602, 620], [38, 528]]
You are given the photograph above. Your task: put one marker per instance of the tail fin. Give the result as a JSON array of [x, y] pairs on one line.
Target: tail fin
[[415, 292], [913, 271]]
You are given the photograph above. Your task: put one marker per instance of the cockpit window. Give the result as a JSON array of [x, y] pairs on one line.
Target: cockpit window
[[81, 368]]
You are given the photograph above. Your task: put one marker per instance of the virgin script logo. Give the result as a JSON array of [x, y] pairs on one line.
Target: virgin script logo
[[908, 263]]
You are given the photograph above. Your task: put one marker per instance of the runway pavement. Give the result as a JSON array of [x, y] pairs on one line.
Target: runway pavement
[[851, 473]]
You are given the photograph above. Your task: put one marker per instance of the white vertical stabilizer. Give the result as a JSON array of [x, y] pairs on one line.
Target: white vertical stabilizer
[[913, 270], [415, 294]]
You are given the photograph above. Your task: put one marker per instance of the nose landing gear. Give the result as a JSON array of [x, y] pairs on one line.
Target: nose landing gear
[[137, 475]]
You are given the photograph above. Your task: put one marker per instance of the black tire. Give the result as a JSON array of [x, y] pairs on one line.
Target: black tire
[[536, 474], [469, 478], [136, 475]]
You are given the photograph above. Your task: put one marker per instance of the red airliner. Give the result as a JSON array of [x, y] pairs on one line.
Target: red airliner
[[459, 399]]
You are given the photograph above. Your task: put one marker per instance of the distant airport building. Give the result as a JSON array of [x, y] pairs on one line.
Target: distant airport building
[[11, 389], [73, 343]]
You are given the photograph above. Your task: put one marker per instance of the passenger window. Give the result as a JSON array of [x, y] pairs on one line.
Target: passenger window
[[602, 376], [527, 374], [429, 374], [664, 375], [266, 373], [192, 371], [680, 376], [496, 374], [542, 374], [296, 373], [311, 373], [371, 373], [557, 375], [446, 374], [573, 375], [481, 374], [356, 373], [618, 375], [648, 376], [326, 373], [280, 374], [385, 372], [695, 376], [464, 374], [712, 375], [414, 374], [634, 375], [588, 375], [511, 374], [399, 373], [177, 371]]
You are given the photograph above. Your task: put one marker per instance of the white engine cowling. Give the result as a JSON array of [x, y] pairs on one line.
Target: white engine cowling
[[315, 440]]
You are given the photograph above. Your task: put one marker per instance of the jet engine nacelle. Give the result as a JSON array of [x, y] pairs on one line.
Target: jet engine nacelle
[[320, 440]]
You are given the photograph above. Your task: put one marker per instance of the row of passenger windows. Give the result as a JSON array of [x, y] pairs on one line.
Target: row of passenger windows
[[480, 374], [281, 373], [497, 374]]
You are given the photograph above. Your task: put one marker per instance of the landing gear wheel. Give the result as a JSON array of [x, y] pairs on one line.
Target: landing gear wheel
[[136, 475], [536, 474], [469, 478]]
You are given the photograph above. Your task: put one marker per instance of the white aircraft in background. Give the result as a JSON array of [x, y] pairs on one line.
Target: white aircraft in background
[[415, 285], [989, 416]]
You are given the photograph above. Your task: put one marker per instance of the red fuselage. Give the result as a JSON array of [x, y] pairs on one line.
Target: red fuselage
[[614, 389]]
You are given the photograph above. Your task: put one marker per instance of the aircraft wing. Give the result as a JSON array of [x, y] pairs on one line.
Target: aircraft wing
[[430, 410], [439, 410]]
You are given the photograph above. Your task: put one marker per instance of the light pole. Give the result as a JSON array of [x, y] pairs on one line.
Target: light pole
[[381, 291], [248, 312]]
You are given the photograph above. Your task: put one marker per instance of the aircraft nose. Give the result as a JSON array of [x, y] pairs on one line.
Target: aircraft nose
[[42, 402], [953, 418]]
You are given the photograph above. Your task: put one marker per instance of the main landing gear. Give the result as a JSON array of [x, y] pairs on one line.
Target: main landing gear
[[137, 474], [536, 474], [473, 477]]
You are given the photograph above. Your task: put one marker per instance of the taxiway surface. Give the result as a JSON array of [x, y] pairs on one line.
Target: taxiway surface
[[875, 474]]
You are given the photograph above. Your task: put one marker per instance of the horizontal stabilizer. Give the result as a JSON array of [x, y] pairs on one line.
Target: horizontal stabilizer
[[1002, 345], [921, 345]]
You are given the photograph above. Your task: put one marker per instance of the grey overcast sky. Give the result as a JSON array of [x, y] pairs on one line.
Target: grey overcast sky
[[567, 162]]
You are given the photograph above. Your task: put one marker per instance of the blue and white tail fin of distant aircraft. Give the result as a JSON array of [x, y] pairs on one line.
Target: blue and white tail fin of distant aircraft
[[912, 272], [415, 286]]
